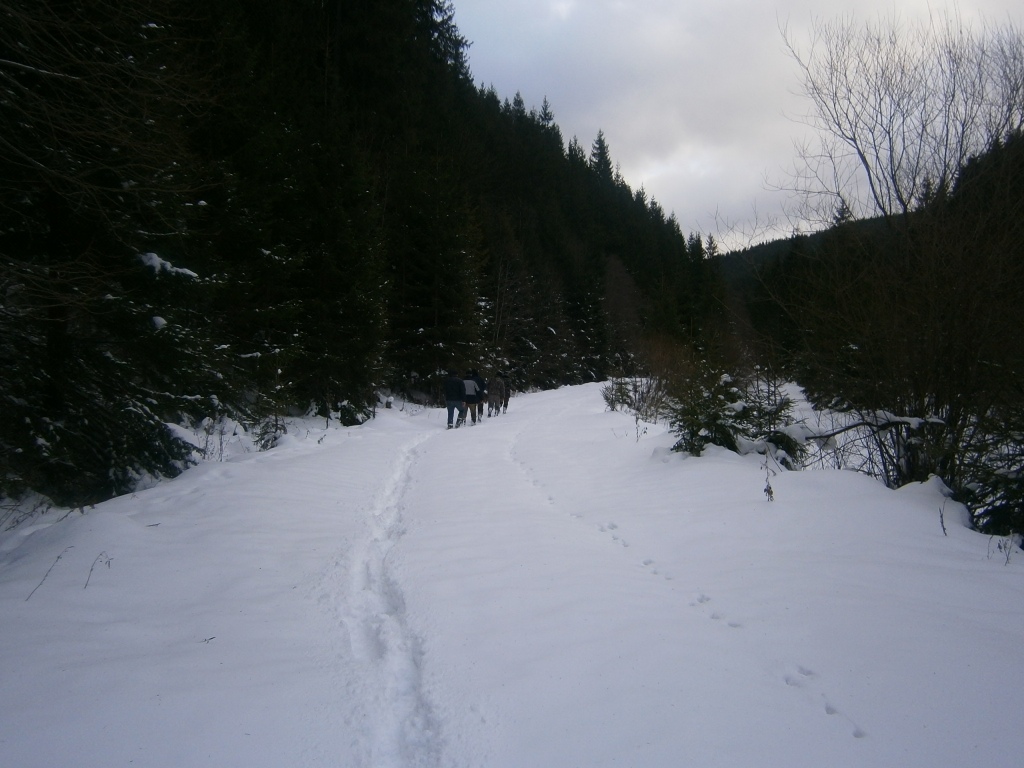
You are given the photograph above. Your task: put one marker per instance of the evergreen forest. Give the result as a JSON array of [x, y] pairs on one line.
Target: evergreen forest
[[240, 210]]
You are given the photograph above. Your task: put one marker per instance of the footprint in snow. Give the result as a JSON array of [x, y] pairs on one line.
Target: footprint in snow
[[701, 599], [798, 679], [801, 678], [857, 733]]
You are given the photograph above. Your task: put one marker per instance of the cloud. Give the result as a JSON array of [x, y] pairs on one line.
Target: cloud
[[696, 99]]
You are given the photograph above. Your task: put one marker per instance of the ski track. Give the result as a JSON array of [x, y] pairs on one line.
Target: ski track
[[398, 718]]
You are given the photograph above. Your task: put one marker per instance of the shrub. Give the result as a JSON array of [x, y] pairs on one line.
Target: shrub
[[746, 414]]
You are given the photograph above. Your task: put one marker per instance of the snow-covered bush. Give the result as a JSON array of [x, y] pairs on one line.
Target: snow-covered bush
[[705, 410], [644, 396], [616, 394], [746, 414], [994, 476]]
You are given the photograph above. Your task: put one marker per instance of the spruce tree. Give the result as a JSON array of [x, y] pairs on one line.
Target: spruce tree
[[98, 191], [601, 160]]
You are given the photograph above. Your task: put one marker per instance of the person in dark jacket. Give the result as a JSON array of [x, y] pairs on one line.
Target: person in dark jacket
[[495, 395], [508, 391], [455, 398], [481, 390]]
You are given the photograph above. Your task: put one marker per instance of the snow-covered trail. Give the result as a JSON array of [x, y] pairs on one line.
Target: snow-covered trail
[[391, 713], [631, 606], [254, 589], [533, 669], [548, 588]]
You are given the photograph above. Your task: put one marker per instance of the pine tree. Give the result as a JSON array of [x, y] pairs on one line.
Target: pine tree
[[546, 117], [575, 153], [601, 160]]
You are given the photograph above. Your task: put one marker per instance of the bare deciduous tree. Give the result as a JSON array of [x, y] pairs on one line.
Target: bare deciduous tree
[[899, 107]]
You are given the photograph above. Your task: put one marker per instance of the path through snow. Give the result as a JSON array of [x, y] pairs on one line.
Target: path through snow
[[548, 588], [394, 708]]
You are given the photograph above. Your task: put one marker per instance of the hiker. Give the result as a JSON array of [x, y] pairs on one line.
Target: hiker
[[481, 388], [455, 398], [473, 391], [495, 395], [507, 393]]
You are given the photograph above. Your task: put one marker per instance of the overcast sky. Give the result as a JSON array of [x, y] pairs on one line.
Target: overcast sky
[[695, 97]]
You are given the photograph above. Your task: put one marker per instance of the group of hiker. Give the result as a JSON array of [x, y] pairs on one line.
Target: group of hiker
[[470, 393]]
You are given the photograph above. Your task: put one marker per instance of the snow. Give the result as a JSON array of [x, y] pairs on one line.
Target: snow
[[552, 587], [161, 265]]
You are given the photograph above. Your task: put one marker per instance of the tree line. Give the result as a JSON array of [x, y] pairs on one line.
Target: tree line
[[246, 209], [905, 312]]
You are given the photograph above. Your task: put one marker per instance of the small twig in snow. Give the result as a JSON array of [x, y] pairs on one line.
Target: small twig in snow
[[48, 572], [106, 561], [768, 474]]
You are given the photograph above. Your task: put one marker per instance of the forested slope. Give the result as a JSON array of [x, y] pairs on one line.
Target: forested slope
[[245, 208]]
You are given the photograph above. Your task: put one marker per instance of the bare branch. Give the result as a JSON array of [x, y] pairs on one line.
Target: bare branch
[[899, 108]]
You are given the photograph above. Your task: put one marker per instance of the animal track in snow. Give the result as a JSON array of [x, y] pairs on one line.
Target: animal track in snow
[[702, 599], [615, 537], [720, 617], [803, 678], [797, 680], [648, 562]]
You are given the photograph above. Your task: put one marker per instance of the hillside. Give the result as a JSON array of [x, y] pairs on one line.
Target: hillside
[[293, 206]]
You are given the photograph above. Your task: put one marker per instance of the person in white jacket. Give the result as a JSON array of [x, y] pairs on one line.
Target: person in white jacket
[[473, 392]]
